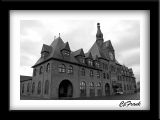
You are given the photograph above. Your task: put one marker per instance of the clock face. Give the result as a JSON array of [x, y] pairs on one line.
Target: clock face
[[111, 55]]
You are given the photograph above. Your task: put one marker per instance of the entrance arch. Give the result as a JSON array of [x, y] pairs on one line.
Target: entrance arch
[[107, 89], [65, 89]]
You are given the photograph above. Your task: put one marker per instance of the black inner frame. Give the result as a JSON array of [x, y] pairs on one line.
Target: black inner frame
[[152, 6]]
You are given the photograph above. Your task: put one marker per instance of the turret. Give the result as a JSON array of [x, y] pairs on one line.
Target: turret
[[99, 35]]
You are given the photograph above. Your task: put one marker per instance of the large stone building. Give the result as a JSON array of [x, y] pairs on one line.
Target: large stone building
[[60, 72]]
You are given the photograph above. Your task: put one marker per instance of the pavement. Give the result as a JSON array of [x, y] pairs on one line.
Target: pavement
[[133, 96]]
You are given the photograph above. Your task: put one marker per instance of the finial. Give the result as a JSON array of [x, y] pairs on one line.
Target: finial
[[59, 34]]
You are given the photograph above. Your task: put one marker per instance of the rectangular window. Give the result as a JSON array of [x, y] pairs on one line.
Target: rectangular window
[[91, 73]]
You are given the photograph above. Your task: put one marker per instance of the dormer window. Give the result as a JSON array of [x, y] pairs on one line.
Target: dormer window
[[97, 64], [83, 61], [90, 62], [65, 52]]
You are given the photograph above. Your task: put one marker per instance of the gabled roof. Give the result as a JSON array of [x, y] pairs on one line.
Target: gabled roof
[[25, 78], [96, 58], [56, 46], [88, 55], [66, 46], [95, 50], [46, 48], [79, 52], [108, 44]]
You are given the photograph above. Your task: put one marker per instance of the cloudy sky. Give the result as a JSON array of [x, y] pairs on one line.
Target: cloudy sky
[[80, 33]]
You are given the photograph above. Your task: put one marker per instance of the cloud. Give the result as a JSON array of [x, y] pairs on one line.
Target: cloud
[[130, 57], [124, 35], [26, 70]]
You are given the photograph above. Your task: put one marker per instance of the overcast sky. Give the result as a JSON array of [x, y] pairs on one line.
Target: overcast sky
[[124, 35]]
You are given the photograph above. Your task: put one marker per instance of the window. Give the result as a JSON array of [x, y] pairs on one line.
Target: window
[[33, 87], [22, 88], [66, 53], [90, 62], [106, 66], [40, 71], [91, 84], [98, 74], [91, 73], [83, 88], [48, 67], [62, 68], [70, 70], [39, 87], [82, 85], [83, 72], [99, 84], [34, 72], [46, 87], [28, 87], [82, 60], [107, 76], [104, 75], [124, 87]]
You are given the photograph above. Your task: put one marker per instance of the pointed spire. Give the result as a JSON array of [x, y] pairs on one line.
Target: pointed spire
[[99, 34], [59, 34]]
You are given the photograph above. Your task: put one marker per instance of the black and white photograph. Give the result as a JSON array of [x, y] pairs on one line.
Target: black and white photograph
[[93, 59]]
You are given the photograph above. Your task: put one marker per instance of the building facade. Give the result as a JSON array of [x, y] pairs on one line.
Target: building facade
[[60, 72]]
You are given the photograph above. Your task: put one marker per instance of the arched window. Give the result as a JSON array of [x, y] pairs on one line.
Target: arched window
[[62, 68], [48, 67], [91, 84], [34, 72], [41, 70], [46, 91], [92, 90], [39, 87], [33, 87], [91, 73], [82, 85], [83, 88], [28, 87], [83, 72], [70, 69], [22, 88]]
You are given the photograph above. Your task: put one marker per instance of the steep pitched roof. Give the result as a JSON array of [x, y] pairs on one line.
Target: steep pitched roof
[[108, 44], [88, 55], [79, 52], [96, 51], [117, 62], [56, 46], [46, 48], [66, 46]]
